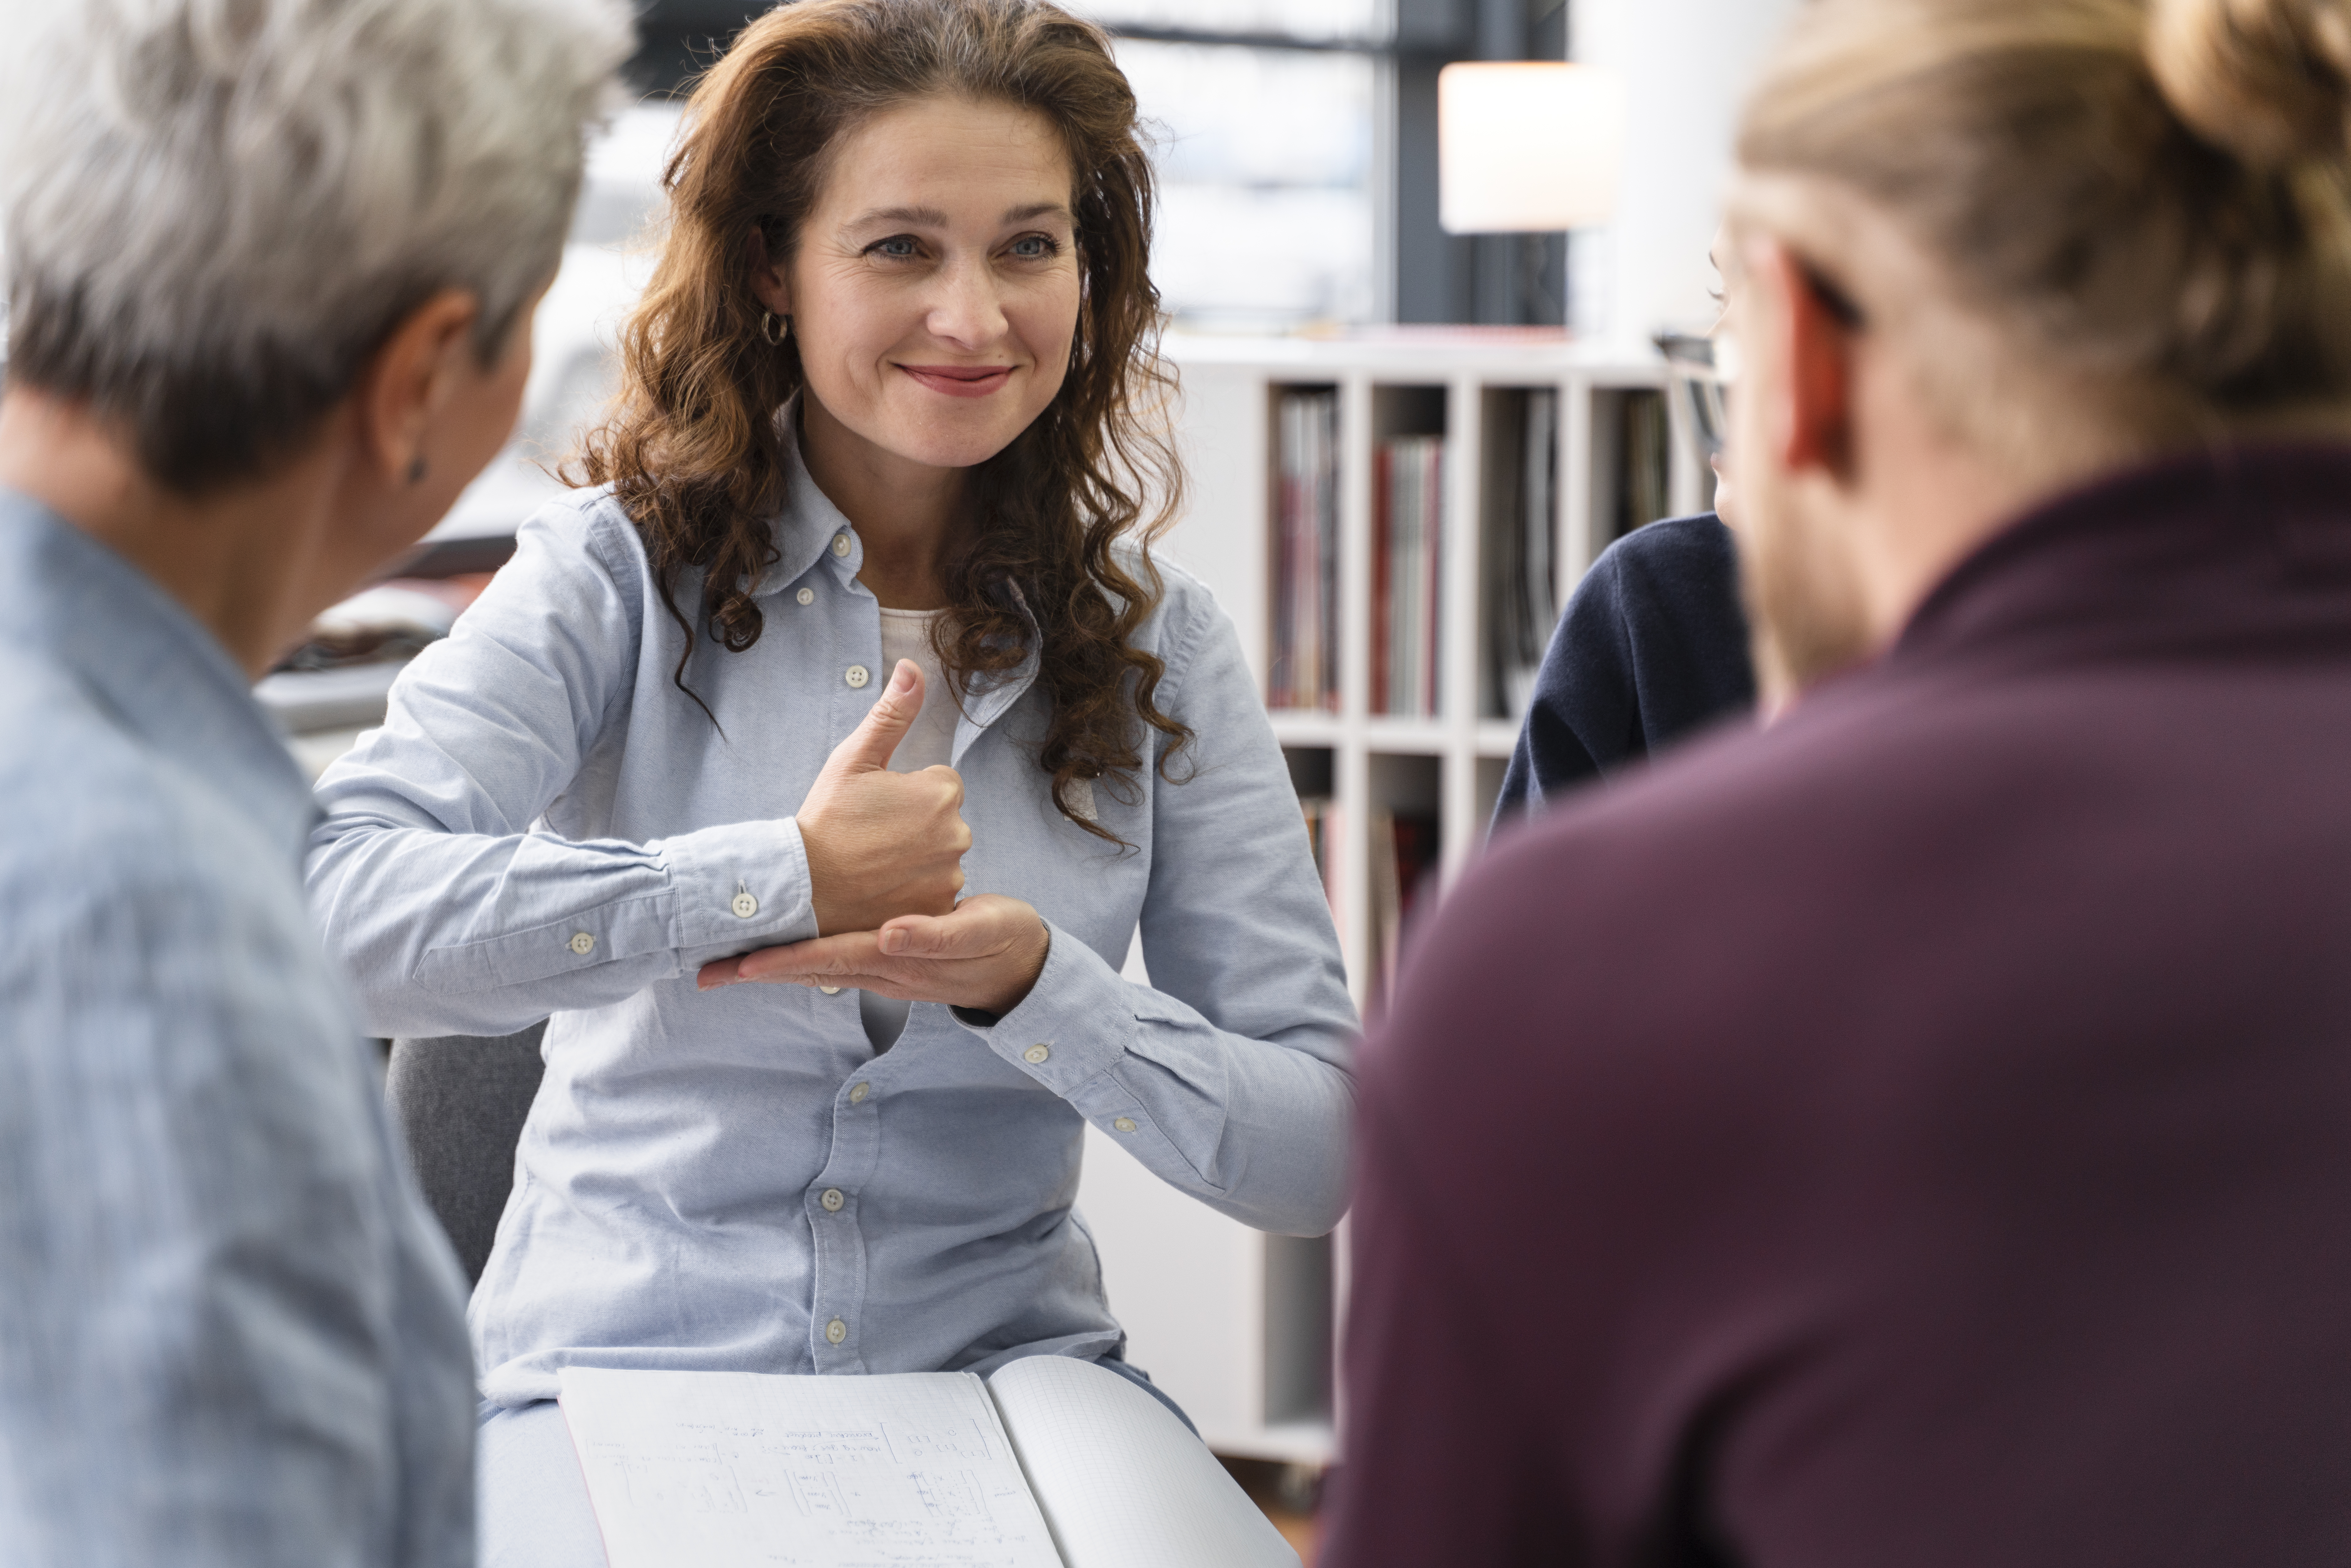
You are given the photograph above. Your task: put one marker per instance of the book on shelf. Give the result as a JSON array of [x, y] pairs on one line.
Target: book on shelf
[[1403, 868], [1323, 837], [1047, 1462], [1305, 656], [1521, 529], [1407, 533], [1320, 815], [1645, 470]]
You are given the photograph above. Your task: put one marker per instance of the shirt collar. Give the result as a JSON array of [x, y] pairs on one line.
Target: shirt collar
[[2229, 542], [807, 528], [806, 532], [137, 649]]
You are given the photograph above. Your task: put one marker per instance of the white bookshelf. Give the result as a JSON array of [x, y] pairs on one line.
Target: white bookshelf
[[1214, 1310], [1223, 538]]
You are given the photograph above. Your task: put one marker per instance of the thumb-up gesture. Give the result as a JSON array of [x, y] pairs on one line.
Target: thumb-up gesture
[[882, 843]]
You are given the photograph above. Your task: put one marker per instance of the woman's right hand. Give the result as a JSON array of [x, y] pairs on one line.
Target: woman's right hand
[[882, 845]]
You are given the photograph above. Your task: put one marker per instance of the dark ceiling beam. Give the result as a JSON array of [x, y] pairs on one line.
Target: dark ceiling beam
[[1252, 40], [680, 37]]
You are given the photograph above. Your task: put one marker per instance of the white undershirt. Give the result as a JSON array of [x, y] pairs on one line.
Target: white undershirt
[[906, 635]]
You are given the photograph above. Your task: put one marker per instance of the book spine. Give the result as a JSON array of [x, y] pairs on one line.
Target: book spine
[[1405, 569], [1383, 525], [1326, 479], [1432, 645], [1280, 675], [1303, 661]]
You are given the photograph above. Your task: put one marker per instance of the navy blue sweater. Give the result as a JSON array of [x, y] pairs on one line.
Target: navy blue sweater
[[1653, 645]]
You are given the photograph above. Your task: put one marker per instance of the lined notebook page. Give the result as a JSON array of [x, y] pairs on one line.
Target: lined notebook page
[[1124, 1482], [729, 1470]]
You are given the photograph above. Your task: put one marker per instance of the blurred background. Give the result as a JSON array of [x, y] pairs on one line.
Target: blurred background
[[1296, 144]]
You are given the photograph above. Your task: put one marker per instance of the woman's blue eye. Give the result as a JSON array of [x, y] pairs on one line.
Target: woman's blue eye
[[1034, 247], [897, 245]]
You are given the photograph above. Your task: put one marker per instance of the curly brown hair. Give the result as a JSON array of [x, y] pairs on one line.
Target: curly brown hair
[[691, 444]]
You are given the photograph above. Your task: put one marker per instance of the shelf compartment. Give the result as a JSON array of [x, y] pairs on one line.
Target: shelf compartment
[[1632, 473], [1410, 507], [1403, 849], [1302, 544], [1487, 787], [1520, 441], [1313, 774]]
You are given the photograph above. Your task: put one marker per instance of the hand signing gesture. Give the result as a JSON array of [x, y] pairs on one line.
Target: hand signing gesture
[[885, 852], [985, 954], [881, 843]]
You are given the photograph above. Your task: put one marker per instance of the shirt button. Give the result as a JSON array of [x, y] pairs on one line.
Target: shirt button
[[832, 1200], [858, 1093], [806, 596], [582, 944], [830, 991], [745, 906], [858, 675], [1124, 1123], [836, 1330], [1036, 1055], [841, 547]]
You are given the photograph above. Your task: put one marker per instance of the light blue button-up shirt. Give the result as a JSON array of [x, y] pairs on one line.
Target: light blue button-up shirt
[[229, 1332], [733, 1179]]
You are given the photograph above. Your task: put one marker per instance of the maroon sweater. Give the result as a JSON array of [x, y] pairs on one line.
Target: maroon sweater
[[1919, 1134]]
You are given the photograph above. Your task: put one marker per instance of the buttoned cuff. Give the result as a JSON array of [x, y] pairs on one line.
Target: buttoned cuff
[[741, 886], [1072, 1027]]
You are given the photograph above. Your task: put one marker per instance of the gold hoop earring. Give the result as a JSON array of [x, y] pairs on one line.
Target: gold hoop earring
[[768, 329]]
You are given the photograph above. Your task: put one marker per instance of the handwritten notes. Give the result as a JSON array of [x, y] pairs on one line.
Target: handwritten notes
[[732, 1470]]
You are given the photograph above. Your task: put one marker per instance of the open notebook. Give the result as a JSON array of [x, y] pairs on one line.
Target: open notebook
[[1048, 1463]]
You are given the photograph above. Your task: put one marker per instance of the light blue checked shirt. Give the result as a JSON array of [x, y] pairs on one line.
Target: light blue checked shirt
[[229, 1332], [733, 1179]]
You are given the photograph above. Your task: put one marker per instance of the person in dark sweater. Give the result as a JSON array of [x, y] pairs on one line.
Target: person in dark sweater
[[1652, 647], [1920, 1132]]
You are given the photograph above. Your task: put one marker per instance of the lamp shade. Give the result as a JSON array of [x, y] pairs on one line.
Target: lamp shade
[[1527, 146]]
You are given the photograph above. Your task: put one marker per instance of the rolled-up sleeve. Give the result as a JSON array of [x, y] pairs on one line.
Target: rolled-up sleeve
[[1228, 1075], [454, 914]]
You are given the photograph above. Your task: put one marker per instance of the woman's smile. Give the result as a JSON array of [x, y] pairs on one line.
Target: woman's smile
[[935, 298], [962, 380]]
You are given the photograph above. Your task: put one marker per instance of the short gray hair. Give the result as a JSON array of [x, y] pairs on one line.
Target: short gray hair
[[217, 210]]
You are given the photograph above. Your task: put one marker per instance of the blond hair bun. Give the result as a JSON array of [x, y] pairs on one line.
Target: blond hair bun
[[2267, 80], [2150, 196]]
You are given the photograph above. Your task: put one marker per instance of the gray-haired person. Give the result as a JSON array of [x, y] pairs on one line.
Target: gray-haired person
[[271, 270]]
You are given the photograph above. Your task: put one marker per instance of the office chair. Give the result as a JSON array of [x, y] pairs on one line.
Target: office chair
[[459, 1101]]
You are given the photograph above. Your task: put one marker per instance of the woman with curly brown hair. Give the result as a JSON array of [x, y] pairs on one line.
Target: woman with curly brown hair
[[861, 606]]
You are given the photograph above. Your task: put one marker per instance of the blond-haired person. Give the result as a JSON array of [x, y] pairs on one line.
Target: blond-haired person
[[1924, 1135], [271, 271]]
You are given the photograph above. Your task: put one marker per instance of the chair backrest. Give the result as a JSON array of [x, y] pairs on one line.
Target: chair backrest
[[459, 1101]]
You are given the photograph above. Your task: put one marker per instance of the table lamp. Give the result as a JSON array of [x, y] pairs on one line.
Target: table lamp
[[1527, 146]]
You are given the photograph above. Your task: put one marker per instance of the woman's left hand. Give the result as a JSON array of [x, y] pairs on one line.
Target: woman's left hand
[[987, 956]]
